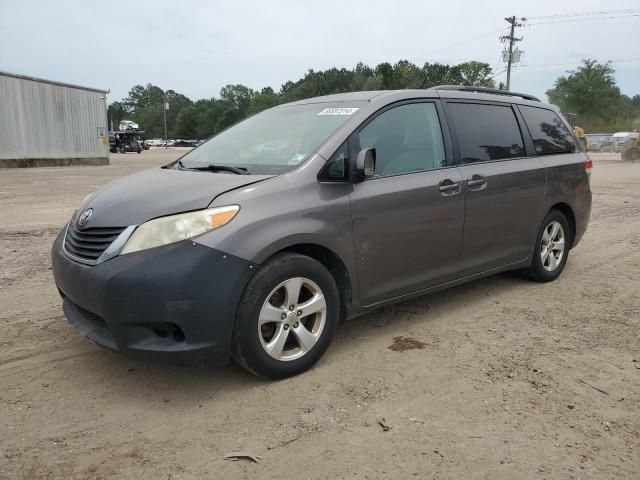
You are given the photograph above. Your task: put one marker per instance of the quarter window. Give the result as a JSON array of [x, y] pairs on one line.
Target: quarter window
[[550, 135], [407, 139], [336, 168], [486, 132]]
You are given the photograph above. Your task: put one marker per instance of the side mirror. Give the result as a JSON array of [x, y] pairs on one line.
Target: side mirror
[[365, 163]]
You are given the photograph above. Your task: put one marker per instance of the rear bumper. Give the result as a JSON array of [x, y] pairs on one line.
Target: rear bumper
[[175, 303], [582, 211]]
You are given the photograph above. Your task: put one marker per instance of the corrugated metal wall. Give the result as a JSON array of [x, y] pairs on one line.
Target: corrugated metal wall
[[44, 120]]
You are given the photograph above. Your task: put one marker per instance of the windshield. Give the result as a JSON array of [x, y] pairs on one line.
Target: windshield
[[274, 141]]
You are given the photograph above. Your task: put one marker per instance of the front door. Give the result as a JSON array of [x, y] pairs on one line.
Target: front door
[[408, 218], [503, 187]]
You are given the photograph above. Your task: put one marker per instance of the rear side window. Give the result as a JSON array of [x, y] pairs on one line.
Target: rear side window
[[550, 135], [486, 132]]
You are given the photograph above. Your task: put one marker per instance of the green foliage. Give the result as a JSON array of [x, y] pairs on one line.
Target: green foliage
[[203, 118], [475, 73], [591, 93]]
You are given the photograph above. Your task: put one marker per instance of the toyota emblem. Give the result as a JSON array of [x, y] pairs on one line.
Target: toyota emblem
[[85, 216]]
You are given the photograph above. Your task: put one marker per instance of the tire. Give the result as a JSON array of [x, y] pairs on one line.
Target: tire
[[540, 269], [266, 297]]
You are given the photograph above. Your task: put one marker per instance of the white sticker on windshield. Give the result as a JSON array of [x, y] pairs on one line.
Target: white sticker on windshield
[[338, 111], [296, 159]]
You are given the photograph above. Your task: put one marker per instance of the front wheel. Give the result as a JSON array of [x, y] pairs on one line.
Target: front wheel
[[551, 249], [287, 317]]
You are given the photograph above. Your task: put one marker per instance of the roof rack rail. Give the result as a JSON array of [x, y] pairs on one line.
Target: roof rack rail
[[492, 91]]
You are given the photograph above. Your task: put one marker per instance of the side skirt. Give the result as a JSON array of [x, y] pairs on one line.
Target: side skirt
[[357, 310]]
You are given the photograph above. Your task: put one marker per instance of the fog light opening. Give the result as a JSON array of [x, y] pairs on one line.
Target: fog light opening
[[169, 330]]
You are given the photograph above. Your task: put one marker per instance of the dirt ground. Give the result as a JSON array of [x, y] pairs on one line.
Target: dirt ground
[[499, 379]]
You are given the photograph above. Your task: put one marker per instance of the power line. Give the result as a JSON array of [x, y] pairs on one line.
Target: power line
[[578, 63], [573, 20], [484, 35], [496, 74], [495, 68], [585, 14]]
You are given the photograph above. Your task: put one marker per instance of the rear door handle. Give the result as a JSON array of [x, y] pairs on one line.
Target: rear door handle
[[477, 181], [449, 187]]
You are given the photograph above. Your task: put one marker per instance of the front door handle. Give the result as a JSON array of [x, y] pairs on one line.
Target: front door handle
[[477, 181], [449, 187]]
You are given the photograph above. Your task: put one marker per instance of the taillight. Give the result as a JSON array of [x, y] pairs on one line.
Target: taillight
[[588, 166]]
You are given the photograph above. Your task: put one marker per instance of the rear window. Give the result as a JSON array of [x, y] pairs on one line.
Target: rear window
[[550, 135], [486, 132]]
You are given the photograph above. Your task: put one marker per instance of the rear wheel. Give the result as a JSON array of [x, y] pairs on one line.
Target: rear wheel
[[552, 248], [287, 317]]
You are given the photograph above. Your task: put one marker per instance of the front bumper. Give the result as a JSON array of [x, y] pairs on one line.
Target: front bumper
[[176, 302]]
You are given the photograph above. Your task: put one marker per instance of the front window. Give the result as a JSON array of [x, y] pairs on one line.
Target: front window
[[275, 141], [407, 139]]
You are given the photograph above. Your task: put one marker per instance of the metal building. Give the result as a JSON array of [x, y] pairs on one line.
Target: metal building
[[47, 123]]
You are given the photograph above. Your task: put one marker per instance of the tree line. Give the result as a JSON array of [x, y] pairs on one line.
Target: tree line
[[203, 118], [590, 92]]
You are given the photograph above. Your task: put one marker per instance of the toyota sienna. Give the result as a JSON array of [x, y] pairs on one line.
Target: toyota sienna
[[258, 242]]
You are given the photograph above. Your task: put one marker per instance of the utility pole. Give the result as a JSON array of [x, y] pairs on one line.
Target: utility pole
[[165, 107], [512, 41]]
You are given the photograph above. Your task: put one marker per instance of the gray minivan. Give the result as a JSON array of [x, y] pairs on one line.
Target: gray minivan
[[257, 243]]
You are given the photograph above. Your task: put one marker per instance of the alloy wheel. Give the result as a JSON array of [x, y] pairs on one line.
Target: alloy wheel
[[552, 246], [292, 319]]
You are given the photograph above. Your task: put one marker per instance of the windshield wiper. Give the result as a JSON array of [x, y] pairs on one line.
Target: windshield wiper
[[227, 168], [216, 168]]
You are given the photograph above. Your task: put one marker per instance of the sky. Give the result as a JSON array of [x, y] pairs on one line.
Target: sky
[[196, 47]]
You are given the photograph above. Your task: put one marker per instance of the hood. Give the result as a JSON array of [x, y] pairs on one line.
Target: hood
[[134, 199]]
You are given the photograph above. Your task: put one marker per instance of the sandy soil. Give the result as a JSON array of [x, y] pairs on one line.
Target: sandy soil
[[498, 379]]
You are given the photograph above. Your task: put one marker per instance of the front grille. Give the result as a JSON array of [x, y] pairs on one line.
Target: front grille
[[90, 243]]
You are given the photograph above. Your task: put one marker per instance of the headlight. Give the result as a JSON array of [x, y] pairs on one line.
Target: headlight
[[162, 231]]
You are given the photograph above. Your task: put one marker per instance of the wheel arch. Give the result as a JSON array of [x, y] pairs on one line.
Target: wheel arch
[[333, 263], [567, 211]]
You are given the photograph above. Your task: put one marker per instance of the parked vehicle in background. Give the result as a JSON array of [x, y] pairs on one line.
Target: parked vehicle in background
[[579, 132], [185, 143], [631, 148], [619, 139], [598, 142], [123, 142], [361, 200], [155, 142], [126, 125], [607, 143]]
